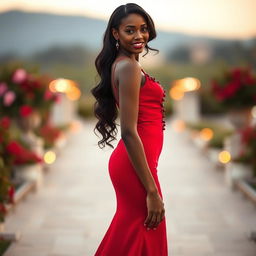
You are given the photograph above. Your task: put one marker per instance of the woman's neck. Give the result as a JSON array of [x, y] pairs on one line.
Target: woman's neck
[[129, 55]]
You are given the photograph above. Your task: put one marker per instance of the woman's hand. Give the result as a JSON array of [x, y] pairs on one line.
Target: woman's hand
[[156, 210]]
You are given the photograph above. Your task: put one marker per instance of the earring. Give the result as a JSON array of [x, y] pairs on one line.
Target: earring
[[117, 45]]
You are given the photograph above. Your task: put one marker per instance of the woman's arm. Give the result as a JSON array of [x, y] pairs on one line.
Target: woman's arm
[[129, 77]]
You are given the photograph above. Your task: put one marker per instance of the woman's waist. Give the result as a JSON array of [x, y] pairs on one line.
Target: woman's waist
[[154, 127], [151, 146]]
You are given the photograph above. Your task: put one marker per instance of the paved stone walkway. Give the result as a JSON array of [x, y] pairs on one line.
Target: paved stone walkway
[[69, 215]]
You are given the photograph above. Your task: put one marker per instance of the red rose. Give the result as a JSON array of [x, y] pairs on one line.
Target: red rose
[[14, 148], [2, 208], [5, 122], [22, 155], [11, 192], [25, 110]]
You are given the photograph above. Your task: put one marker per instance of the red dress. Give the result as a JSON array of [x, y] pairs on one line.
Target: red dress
[[127, 235]]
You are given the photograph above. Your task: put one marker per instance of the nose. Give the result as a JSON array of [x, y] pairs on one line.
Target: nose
[[138, 35]]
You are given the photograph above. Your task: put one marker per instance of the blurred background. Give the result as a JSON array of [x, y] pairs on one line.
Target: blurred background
[[206, 64], [195, 38]]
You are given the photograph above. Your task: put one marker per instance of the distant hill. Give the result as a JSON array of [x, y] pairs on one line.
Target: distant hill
[[25, 33]]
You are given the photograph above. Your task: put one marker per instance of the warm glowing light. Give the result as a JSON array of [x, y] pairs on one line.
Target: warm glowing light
[[179, 87], [74, 93], [224, 157], [62, 85], [206, 134], [49, 157], [52, 86], [179, 125], [75, 126], [190, 84], [176, 93], [253, 111], [65, 86]]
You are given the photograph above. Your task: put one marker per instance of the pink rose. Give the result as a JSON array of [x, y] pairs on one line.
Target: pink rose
[[48, 95], [57, 98], [19, 76], [3, 88], [9, 98]]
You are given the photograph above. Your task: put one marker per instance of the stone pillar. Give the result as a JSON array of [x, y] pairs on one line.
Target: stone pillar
[[188, 108], [63, 112]]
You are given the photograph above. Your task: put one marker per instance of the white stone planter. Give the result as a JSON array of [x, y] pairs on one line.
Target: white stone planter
[[30, 172], [213, 155], [240, 118], [233, 144], [247, 189], [61, 142], [200, 143], [235, 172]]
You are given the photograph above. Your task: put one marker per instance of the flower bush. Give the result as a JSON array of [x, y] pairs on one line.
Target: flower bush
[[22, 92], [6, 187], [20, 155], [50, 134], [236, 88], [248, 147], [12, 152], [6, 190]]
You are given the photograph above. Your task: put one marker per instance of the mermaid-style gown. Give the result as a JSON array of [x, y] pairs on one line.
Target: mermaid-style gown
[[127, 235]]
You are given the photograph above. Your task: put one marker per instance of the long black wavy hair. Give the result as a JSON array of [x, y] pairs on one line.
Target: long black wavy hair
[[105, 108]]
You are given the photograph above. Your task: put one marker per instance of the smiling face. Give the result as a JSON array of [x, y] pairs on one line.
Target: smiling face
[[132, 34]]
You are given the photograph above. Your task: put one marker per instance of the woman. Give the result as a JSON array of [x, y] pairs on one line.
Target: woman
[[138, 227]]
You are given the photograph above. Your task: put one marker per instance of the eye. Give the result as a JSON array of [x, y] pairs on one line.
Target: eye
[[144, 29], [129, 31]]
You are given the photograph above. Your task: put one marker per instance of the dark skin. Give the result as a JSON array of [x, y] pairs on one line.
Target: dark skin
[[128, 78]]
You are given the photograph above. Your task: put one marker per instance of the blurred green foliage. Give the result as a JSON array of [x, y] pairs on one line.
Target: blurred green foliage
[[3, 246], [219, 132], [77, 63], [86, 106]]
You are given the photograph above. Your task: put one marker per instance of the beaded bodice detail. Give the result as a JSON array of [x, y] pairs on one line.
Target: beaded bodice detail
[[161, 98], [151, 103]]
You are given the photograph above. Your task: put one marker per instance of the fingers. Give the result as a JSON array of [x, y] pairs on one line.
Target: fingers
[[158, 220], [162, 214], [154, 219], [148, 219]]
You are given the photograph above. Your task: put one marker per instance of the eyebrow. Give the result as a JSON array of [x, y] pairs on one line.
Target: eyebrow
[[132, 26]]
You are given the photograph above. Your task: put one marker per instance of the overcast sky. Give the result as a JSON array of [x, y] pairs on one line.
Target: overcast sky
[[222, 18]]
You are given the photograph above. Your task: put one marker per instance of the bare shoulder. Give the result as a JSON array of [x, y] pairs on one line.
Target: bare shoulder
[[127, 67]]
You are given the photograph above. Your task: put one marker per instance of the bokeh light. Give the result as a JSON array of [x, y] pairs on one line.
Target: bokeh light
[[224, 157], [179, 125], [49, 157], [181, 86], [206, 134], [176, 93], [75, 126], [69, 87]]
